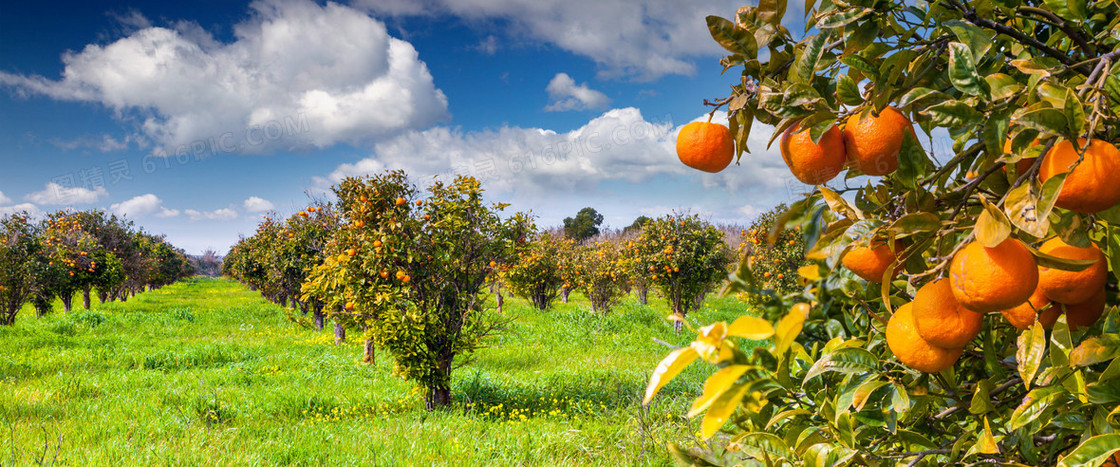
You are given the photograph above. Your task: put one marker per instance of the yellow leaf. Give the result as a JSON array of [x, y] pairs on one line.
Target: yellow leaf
[[668, 369], [789, 327], [811, 272], [716, 385], [993, 226], [749, 327], [720, 410]]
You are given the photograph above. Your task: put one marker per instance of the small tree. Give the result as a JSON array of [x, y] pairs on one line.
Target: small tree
[[419, 268], [584, 226], [636, 226], [600, 272], [19, 249], [535, 275], [685, 259], [774, 262]]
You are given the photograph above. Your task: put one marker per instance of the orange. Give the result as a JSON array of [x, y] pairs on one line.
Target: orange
[[401, 201], [911, 349], [872, 143], [1082, 315], [705, 146], [1071, 287], [993, 279], [1024, 315], [1113, 461], [941, 320], [1089, 187], [1022, 165], [870, 262], [813, 163]]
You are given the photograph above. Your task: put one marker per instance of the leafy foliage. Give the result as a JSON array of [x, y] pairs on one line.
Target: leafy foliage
[[825, 388], [535, 274], [584, 226], [601, 271], [775, 263], [685, 258]]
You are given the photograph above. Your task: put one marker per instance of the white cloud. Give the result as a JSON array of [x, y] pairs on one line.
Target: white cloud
[[535, 163], [54, 193], [29, 208], [566, 95], [223, 214], [643, 39], [143, 206], [488, 46], [4, 199], [104, 143], [256, 204], [298, 75]]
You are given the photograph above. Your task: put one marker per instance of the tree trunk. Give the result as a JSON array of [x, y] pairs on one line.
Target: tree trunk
[[438, 397], [85, 298], [643, 295], [284, 300], [319, 320], [339, 333], [564, 294], [102, 296], [500, 301], [67, 301], [369, 355], [677, 326]]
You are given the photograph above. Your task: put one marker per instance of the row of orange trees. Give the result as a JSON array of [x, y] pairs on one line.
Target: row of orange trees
[[80, 251], [411, 272]]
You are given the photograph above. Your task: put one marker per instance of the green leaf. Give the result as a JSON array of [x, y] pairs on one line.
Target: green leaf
[[765, 445], [668, 369], [1036, 403], [992, 227], [962, 70], [805, 67], [985, 443], [771, 11], [900, 399], [827, 455], [731, 37], [799, 94], [864, 391], [862, 64], [915, 223], [842, 17], [1093, 451], [848, 91], [1095, 350], [1065, 264], [912, 162], [1031, 347], [981, 398], [838, 204], [1002, 85], [716, 385], [954, 114], [786, 414], [977, 39], [920, 94], [749, 327], [1075, 111], [1046, 120], [848, 360]]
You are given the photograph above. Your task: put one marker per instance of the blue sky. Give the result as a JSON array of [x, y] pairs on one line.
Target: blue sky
[[195, 118]]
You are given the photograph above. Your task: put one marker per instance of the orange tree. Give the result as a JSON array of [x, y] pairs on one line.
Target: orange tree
[[297, 248], [685, 258], [599, 270], [535, 274], [776, 263], [418, 270], [957, 346], [20, 247]]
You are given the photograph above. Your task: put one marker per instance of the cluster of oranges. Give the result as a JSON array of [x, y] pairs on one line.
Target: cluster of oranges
[[930, 333]]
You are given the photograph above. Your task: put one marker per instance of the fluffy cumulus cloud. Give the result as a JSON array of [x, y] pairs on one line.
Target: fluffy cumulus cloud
[[56, 194], [620, 145], [566, 95], [4, 199], [257, 204], [223, 214], [142, 206], [28, 208], [643, 39], [298, 75]]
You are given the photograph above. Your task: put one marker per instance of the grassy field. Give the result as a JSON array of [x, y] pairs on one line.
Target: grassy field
[[205, 372]]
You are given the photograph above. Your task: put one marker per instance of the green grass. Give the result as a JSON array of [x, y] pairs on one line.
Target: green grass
[[204, 372]]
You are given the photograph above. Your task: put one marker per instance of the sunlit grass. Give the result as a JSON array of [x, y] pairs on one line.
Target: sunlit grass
[[205, 372]]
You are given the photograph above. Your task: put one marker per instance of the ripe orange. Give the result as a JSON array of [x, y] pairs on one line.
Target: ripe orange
[[400, 274], [941, 320], [384, 274], [872, 143], [813, 163], [911, 349], [1082, 315], [1024, 315], [705, 146], [1113, 461], [870, 262], [377, 243], [993, 279], [349, 306], [1071, 287], [352, 252], [493, 263], [419, 202], [406, 279], [401, 201], [303, 214], [1089, 187]]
